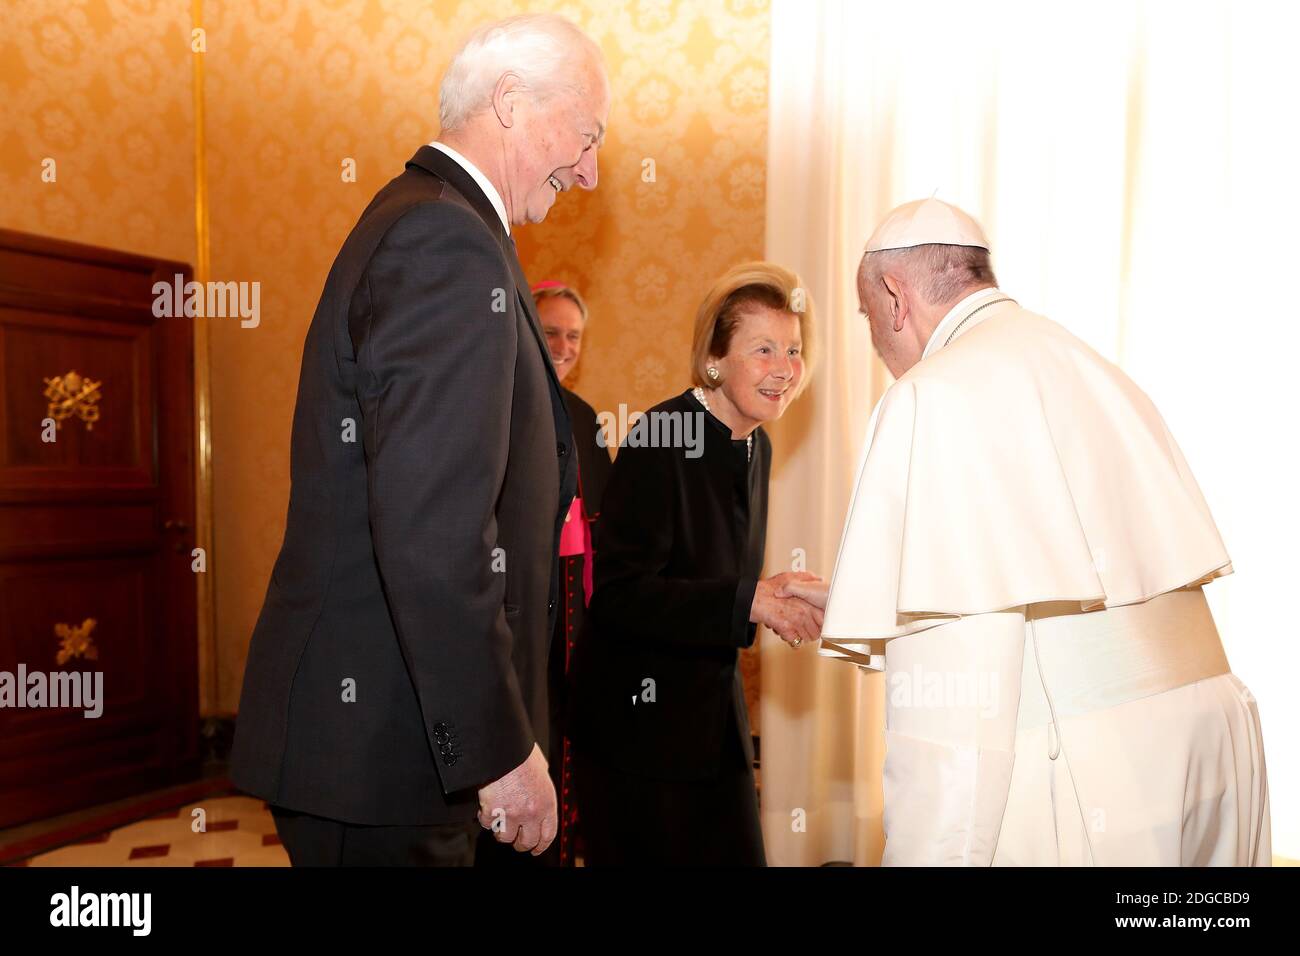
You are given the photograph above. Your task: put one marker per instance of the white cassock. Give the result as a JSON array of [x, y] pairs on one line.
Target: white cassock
[[1026, 547]]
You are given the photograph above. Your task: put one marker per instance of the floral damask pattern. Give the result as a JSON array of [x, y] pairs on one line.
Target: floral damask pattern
[[96, 127], [298, 92]]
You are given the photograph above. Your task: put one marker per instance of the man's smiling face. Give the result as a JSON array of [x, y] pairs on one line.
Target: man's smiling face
[[560, 132]]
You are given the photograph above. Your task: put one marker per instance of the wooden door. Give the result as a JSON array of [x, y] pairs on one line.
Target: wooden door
[[96, 527]]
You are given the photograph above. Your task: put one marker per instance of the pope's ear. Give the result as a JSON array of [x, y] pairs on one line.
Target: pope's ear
[[897, 302]]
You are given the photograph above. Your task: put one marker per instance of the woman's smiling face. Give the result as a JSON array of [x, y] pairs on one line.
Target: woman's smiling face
[[763, 366]]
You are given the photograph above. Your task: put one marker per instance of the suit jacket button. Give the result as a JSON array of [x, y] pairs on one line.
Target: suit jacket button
[[440, 728], [561, 449], [550, 605]]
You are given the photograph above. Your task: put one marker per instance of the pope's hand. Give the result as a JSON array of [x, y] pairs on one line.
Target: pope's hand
[[793, 619], [813, 591]]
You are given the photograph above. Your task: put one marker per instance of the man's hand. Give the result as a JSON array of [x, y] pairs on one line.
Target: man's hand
[[521, 805], [791, 618], [814, 592]]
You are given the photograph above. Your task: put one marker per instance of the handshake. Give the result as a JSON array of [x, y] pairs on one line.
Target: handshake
[[791, 605]]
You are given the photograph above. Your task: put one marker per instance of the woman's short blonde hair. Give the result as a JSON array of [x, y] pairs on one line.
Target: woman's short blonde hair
[[740, 289]]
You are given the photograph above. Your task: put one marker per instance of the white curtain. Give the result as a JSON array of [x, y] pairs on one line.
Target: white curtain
[[1136, 168]]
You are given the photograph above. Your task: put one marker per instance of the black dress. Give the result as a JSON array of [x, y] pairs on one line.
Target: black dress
[[662, 750]]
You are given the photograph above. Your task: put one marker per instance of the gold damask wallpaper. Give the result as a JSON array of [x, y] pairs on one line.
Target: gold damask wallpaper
[[100, 88], [301, 94]]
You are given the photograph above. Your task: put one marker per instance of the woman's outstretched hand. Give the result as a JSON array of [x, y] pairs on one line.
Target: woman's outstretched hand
[[813, 590]]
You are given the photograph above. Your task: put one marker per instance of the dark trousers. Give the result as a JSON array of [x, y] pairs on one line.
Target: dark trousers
[[632, 820], [318, 841]]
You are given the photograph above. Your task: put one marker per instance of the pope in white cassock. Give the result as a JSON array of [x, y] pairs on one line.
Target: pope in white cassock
[[1026, 547]]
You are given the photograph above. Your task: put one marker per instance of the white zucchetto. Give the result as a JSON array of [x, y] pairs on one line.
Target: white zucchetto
[[926, 222]]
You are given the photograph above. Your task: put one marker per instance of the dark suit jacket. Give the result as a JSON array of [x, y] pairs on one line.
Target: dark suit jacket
[[418, 570], [679, 550]]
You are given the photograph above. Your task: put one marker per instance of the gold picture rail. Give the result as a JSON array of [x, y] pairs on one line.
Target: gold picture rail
[[208, 677]]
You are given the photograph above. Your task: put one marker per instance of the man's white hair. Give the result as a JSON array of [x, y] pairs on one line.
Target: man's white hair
[[541, 48]]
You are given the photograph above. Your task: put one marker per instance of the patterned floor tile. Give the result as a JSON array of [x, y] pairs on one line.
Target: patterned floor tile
[[237, 831]]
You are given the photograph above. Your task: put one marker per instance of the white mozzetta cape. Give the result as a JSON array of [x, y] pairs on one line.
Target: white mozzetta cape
[[1013, 466]]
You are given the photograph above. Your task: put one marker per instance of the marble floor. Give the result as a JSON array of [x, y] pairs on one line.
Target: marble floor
[[213, 831]]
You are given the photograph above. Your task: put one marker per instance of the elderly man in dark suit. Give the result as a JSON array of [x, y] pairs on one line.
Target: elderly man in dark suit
[[396, 689]]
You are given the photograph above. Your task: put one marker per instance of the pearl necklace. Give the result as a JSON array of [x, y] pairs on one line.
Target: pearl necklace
[[749, 439]]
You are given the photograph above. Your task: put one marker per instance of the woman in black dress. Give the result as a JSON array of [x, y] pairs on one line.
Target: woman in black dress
[[662, 752]]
